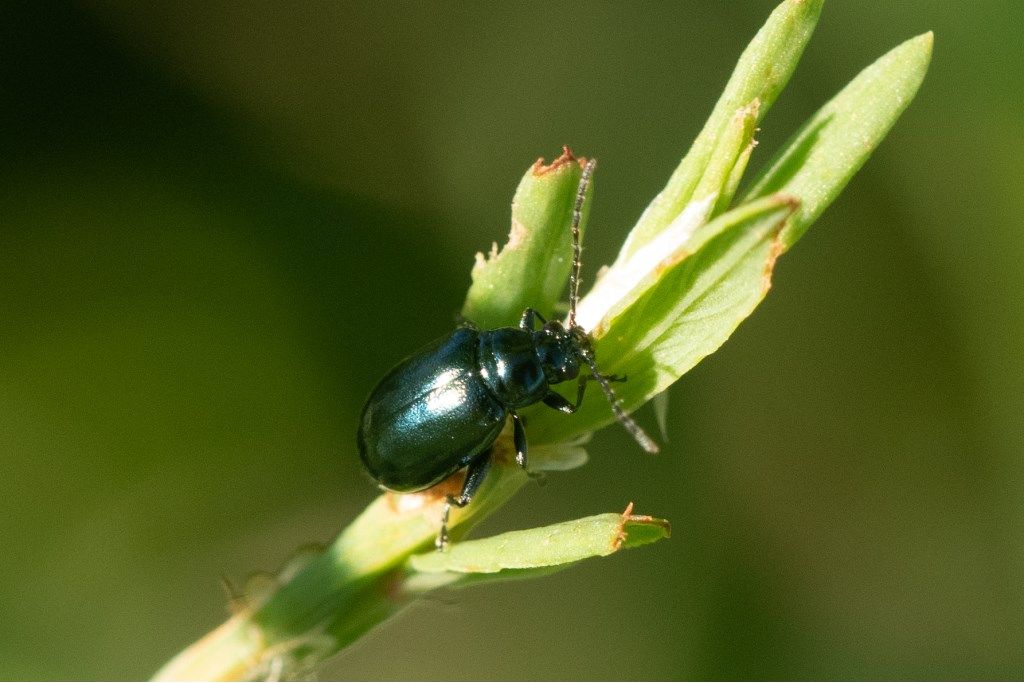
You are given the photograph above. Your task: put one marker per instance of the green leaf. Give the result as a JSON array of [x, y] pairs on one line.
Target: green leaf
[[820, 159], [760, 75], [532, 268], [541, 549], [695, 303]]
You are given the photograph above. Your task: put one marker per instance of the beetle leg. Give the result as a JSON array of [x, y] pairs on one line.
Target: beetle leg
[[559, 402], [530, 316], [475, 476], [519, 439]]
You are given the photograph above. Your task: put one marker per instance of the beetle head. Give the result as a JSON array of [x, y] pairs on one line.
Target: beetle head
[[558, 351]]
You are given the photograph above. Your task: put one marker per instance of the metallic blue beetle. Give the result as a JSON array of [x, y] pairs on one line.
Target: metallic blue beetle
[[441, 409]]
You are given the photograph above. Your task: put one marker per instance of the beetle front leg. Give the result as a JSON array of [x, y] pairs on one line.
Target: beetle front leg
[[475, 476], [561, 403]]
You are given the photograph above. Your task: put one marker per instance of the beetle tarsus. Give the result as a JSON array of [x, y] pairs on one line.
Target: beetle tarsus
[[559, 402], [475, 475], [441, 542]]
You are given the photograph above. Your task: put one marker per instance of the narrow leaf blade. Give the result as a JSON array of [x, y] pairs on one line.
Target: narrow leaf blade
[[816, 164], [545, 547]]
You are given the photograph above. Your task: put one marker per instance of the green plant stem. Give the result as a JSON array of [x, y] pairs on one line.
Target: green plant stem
[[340, 594]]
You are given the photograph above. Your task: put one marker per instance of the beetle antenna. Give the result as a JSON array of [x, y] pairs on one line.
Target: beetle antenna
[[646, 442], [577, 213]]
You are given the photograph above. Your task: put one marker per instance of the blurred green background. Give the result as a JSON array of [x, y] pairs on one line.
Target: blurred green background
[[222, 223]]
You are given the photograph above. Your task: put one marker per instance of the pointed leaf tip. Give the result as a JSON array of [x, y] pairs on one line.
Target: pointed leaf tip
[[760, 75], [819, 160]]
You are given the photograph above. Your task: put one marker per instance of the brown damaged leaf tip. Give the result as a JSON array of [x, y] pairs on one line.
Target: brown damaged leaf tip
[[620, 534], [628, 517], [778, 245], [774, 252], [540, 168]]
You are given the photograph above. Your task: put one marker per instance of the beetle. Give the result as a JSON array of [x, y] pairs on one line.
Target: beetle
[[441, 409]]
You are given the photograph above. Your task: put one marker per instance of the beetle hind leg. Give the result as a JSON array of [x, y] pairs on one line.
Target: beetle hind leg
[[475, 476]]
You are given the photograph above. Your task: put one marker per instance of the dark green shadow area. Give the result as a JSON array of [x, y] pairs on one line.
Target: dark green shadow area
[[187, 336]]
